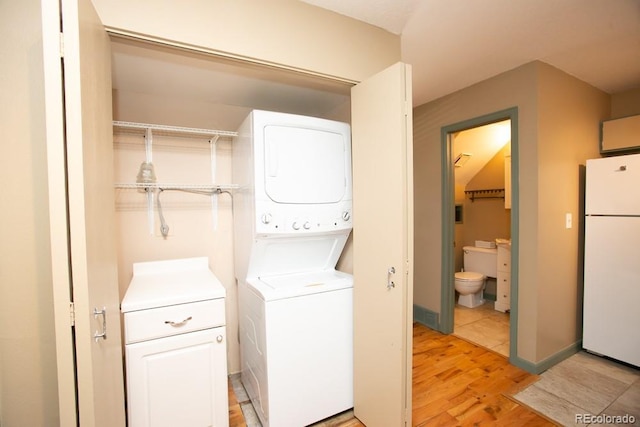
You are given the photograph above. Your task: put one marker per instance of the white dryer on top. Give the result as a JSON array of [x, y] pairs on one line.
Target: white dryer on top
[[294, 174]]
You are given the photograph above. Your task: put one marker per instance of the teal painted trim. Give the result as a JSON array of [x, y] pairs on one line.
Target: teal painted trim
[[447, 294], [515, 233], [448, 203], [425, 316], [554, 359]]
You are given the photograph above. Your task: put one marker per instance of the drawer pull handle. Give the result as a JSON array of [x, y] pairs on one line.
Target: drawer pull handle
[[176, 324]]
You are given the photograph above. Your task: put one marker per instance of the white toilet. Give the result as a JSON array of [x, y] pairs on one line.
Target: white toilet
[[479, 263]]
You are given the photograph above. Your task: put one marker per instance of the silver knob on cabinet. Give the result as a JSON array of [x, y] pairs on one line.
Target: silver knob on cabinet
[[219, 338], [266, 218], [346, 215]]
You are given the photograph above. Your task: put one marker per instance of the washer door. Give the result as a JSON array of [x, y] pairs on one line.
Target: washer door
[[304, 165]]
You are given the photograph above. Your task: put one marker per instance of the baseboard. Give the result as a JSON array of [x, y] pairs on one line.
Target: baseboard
[[543, 365], [426, 317]]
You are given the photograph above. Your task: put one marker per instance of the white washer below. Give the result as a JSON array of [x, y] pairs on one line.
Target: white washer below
[[296, 336]]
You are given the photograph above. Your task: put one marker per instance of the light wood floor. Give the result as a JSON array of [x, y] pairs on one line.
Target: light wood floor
[[455, 383]]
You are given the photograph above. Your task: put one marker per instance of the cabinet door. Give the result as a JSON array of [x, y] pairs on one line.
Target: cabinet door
[[383, 247], [81, 199], [178, 381]]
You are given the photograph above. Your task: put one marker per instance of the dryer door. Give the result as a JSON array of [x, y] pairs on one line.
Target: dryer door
[[305, 165]]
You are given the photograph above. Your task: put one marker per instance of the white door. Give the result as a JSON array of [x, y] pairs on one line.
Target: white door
[[177, 381], [304, 165], [79, 134], [612, 287], [383, 247], [610, 182]]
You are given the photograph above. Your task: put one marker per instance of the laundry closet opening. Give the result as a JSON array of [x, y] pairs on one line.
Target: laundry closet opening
[[176, 87]]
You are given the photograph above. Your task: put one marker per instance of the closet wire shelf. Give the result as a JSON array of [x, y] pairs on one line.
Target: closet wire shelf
[[141, 128], [164, 186], [146, 181]]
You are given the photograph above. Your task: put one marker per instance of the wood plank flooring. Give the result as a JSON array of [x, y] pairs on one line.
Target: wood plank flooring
[[455, 383]]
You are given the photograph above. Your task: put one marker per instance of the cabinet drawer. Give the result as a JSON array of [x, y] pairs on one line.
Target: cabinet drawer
[[504, 260], [173, 320], [503, 291]]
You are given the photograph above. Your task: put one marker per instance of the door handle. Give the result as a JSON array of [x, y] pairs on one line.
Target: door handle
[[97, 335], [390, 272]]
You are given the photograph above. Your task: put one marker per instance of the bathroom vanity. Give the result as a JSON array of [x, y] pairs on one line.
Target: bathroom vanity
[[503, 287]]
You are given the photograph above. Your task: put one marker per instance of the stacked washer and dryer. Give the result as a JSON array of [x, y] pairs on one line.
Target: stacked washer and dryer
[[292, 218]]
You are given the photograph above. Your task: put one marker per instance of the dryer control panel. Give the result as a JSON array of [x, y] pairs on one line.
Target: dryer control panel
[[297, 220]]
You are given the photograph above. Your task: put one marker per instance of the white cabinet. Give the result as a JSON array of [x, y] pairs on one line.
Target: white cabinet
[[503, 291], [175, 346], [179, 380]]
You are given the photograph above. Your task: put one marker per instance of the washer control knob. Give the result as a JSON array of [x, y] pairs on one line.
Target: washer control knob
[[296, 225], [346, 215], [266, 218], [307, 225]]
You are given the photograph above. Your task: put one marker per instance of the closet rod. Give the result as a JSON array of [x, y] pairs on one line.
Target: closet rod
[[174, 130]]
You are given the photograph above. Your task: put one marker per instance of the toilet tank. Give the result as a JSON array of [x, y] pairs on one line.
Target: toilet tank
[[481, 260]]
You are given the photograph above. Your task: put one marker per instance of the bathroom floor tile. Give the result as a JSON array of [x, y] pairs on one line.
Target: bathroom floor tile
[[502, 349], [464, 316], [484, 326], [486, 332]]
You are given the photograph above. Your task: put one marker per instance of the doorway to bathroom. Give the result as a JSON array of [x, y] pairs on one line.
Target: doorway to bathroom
[[480, 217]]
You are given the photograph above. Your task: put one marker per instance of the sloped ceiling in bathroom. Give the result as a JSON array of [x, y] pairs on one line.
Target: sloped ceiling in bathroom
[[483, 143]]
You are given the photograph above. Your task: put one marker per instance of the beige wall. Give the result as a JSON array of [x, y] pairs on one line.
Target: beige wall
[[625, 103], [287, 32], [558, 119], [28, 381], [487, 219], [569, 118]]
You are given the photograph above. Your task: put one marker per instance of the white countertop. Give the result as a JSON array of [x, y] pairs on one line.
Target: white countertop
[[164, 283]]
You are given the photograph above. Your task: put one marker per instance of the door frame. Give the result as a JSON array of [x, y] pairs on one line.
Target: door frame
[[447, 295]]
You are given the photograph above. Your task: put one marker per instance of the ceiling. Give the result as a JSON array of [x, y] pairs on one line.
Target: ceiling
[[452, 44], [481, 144]]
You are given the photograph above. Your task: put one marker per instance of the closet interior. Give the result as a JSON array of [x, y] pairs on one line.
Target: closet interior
[[175, 114]]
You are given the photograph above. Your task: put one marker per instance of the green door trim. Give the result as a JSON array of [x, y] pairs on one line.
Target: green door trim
[[448, 222]]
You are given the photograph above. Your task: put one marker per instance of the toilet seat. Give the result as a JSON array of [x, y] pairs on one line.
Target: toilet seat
[[468, 276]]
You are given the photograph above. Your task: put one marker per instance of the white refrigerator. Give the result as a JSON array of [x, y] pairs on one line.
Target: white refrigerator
[[612, 258]]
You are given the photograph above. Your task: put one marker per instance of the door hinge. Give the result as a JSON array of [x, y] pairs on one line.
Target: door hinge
[[72, 314], [61, 45]]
